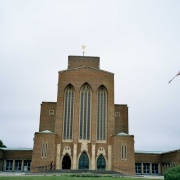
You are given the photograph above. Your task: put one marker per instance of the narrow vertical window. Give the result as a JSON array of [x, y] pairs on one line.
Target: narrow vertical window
[[85, 109], [44, 150], [125, 152], [101, 115], [68, 112], [122, 152]]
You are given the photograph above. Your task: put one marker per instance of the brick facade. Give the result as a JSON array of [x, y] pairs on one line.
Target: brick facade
[[15, 159], [123, 162], [114, 151], [47, 116], [84, 70], [44, 150], [80, 61], [121, 119]]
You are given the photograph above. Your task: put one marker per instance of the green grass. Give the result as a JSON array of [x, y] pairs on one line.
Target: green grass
[[53, 177]]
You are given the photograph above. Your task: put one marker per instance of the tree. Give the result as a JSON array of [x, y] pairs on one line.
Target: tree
[[173, 173], [2, 145]]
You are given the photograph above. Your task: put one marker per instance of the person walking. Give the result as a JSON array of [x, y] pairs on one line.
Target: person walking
[[51, 165]]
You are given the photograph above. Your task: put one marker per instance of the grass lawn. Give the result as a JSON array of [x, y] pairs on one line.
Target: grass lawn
[[53, 177]]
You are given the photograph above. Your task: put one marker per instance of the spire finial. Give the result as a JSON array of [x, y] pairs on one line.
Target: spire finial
[[83, 49]]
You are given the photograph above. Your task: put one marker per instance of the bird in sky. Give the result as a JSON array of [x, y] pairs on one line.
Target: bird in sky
[[175, 76]]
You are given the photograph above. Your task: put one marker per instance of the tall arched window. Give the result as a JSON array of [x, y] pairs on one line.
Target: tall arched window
[[102, 114], [68, 111], [85, 109]]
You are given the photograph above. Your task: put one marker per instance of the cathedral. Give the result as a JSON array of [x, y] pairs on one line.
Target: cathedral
[[85, 129]]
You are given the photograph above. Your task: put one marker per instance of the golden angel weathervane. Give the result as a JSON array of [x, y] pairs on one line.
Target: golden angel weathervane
[[83, 49]]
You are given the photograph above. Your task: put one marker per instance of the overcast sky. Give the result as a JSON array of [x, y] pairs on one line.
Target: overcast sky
[[137, 40]]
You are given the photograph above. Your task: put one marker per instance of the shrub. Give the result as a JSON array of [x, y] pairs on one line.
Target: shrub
[[84, 175], [173, 173]]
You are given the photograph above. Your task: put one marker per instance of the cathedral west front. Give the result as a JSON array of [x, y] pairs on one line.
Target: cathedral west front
[[84, 129]]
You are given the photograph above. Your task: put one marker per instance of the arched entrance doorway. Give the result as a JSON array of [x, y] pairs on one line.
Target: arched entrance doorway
[[101, 163], [84, 161], [66, 162]]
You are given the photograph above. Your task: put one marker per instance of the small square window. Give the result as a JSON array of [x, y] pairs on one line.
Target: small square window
[[51, 112], [117, 114]]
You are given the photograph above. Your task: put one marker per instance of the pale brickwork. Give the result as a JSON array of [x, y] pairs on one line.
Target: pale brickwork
[[123, 162], [121, 119], [47, 116], [44, 150], [79, 61], [77, 78]]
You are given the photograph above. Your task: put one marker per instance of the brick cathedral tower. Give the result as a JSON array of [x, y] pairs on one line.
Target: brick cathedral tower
[[84, 129]]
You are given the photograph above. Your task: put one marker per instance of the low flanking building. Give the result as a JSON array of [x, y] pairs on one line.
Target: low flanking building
[[15, 159], [85, 129], [153, 162]]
